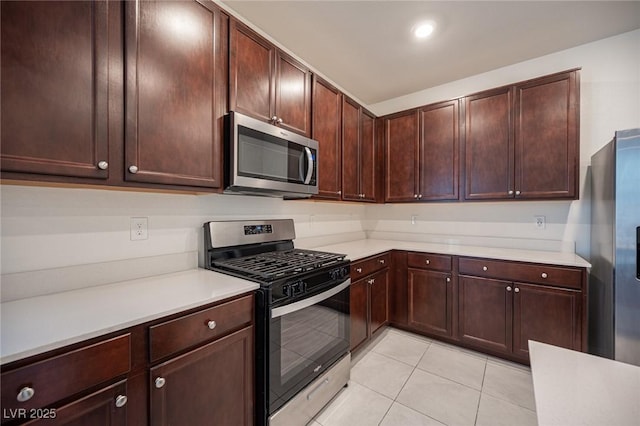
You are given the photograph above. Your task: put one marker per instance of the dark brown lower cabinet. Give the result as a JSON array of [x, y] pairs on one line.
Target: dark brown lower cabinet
[[502, 316], [358, 304], [369, 304], [546, 314], [209, 385], [430, 301], [485, 310], [106, 407]]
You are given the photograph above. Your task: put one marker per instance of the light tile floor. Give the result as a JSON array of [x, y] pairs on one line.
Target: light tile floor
[[403, 379]]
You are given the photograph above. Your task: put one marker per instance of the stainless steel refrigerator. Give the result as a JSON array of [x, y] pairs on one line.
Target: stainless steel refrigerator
[[614, 283]]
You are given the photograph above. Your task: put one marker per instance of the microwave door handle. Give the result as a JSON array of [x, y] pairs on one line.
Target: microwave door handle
[[310, 166]]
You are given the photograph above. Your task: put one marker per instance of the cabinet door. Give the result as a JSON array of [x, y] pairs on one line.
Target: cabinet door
[[485, 313], [398, 308], [106, 407], [327, 120], [546, 314], [379, 300], [209, 385], [439, 146], [358, 312], [175, 79], [546, 144], [489, 159], [367, 157], [430, 301], [293, 94], [54, 88], [401, 156], [350, 150], [251, 73]]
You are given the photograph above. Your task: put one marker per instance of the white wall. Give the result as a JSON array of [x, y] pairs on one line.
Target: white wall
[[46, 228], [610, 100]]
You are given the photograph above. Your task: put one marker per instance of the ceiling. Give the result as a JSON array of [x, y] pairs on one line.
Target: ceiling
[[366, 47]]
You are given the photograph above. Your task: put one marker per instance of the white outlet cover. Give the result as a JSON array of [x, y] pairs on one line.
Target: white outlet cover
[[540, 222], [139, 228]]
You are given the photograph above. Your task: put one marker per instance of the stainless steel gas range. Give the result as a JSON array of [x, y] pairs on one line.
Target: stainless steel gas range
[[302, 315]]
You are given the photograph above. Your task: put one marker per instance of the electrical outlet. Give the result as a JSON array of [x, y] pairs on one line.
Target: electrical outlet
[[541, 222], [139, 228], [413, 219]]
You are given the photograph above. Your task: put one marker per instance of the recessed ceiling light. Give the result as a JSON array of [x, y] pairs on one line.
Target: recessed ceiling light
[[423, 30]]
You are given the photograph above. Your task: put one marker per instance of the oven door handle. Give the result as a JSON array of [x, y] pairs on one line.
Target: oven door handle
[[296, 306]]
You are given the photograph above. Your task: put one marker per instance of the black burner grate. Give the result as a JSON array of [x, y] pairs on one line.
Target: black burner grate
[[278, 264]]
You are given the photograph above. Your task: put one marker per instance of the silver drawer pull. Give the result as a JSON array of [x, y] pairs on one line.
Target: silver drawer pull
[[448, 279], [103, 165], [427, 261], [211, 324], [121, 400], [322, 383], [381, 261], [25, 394], [509, 288], [544, 275], [133, 169], [517, 290], [359, 270], [484, 268], [159, 382]]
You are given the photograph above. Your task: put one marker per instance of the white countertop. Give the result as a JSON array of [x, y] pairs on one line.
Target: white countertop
[[574, 388], [360, 249], [38, 324]]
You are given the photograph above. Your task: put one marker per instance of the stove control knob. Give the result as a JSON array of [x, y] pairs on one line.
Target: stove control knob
[[286, 290]]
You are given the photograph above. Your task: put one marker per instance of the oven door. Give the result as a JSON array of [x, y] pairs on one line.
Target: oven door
[[306, 338]]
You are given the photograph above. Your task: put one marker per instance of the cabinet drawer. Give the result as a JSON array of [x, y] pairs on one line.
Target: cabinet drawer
[[185, 332], [362, 268], [65, 375], [514, 271], [436, 262]]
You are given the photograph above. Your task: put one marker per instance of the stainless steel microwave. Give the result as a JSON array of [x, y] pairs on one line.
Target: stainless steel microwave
[[263, 159]]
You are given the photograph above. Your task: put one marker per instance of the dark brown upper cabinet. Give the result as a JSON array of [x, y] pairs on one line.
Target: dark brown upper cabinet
[[522, 141], [266, 83], [422, 153], [55, 79], [175, 92], [547, 137], [489, 160], [327, 129], [402, 136], [359, 154]]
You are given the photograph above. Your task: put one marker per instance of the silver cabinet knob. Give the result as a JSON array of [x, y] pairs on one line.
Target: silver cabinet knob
[[517, 192], [517, 290], [420, 196], [448, 279], [211, 324], [103, 165], [279, 121], [509, 288], [510, 192], [415, 196], [484, 268], [25, 394], [544, 275], [381, 261], [371, 281], [133, 169], [159, 382], [121, 400], [428, 262], [339, 192], [274, 118], [359, 270]]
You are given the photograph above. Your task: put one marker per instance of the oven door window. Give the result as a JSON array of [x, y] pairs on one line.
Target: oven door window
[[267, 157], [304, 343]]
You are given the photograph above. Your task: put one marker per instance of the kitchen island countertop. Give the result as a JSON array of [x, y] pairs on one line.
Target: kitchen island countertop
[[574, 388], [38, 324]]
